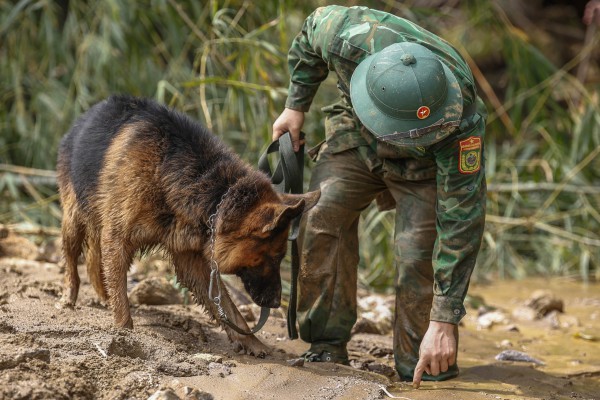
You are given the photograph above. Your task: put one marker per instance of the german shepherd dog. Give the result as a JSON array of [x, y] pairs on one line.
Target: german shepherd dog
[[135, 175]]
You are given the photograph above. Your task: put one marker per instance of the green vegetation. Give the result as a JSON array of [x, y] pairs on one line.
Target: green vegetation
[[223, 63]]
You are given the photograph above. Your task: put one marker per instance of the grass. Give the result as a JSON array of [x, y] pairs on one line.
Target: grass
[[224, 63]]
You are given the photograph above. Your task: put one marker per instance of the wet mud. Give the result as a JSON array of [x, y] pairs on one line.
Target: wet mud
[[176, 351]]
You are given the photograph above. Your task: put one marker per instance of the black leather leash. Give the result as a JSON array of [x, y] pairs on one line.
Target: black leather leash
[[288, 178]]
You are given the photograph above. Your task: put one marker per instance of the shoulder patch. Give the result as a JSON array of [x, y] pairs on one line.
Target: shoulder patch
[[469, 159]]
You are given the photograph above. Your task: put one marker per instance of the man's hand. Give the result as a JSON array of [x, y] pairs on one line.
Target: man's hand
[[437, 351], [289, 121], [592, 12]]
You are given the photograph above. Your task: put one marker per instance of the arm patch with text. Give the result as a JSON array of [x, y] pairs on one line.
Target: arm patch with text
[[470, 155]]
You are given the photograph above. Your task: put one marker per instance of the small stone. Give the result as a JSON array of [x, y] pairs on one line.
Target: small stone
[[296, 362], [381, 369], [155, 291], [524, 313], [210, 358], [49, 251], [377, 309], [277, 313], [519, 356], [568, 321], [364, 325], [544, 302], [247, 313], [381, 352], [357, 364], [196, 394], [217, 369], [486, 320], [13, 246], [165, 394]]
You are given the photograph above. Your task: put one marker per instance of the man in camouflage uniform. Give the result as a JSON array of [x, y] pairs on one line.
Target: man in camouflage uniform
[[408, 128]]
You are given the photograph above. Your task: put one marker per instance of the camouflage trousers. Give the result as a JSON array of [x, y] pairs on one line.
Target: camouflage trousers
[[327, 306]]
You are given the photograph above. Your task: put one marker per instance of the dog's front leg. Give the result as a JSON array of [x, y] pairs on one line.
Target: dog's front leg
[[248, 344]]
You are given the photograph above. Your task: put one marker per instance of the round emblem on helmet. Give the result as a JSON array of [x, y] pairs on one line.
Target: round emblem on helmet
[[423, 112]]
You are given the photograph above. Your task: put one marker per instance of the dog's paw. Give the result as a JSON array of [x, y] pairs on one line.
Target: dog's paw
[[251, 346], [124, 323], [64, 303]]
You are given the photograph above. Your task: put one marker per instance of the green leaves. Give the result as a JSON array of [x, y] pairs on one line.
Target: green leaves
[[224, 63]]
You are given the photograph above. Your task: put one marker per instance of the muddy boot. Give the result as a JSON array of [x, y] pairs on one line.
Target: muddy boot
[[327, 353]]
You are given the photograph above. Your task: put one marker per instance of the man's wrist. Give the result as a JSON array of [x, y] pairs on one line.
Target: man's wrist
[[442, 326], [447, 309]]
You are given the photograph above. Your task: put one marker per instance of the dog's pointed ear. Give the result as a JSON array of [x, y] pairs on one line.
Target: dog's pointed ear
[[310, 199], [293, 205]]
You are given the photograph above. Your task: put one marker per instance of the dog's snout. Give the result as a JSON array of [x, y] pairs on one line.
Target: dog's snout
[[264, 291]]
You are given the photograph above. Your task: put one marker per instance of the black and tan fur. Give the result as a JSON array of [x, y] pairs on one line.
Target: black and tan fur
[[135, 175]]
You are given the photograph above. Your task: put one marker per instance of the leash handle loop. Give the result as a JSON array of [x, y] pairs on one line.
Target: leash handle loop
[[287, 177]]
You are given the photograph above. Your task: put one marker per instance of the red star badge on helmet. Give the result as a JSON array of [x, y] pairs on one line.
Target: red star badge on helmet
[[423, 112]]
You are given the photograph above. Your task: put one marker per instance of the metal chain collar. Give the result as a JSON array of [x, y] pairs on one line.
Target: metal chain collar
[[215, 276]]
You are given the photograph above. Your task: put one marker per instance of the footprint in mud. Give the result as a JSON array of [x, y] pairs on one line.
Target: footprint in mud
[[124, 346]]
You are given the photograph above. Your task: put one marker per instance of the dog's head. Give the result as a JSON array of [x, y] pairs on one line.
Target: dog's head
[[251, 243]]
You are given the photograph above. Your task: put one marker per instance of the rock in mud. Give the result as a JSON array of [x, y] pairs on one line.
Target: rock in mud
[[381, 352], [13, 246], [195, 394], [487, 320], [544, 302], [296, 362], [208, 358], [155, 291], [381, 369], [247, 313], [165, 394], [377, 309], [519, 356], [49, 251], [364, 325], [524, 313], [217, 369], [557, 320]]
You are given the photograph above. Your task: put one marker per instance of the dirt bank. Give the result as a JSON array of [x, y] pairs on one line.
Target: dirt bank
[[46, 353]]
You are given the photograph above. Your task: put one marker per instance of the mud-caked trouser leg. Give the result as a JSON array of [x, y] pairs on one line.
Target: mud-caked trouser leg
[[329, 249], [414, 238]]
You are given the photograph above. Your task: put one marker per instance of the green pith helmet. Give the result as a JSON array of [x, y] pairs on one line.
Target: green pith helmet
[[406, 96]]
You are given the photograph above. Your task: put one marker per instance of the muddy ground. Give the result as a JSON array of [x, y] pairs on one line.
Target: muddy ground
[[176, 351]]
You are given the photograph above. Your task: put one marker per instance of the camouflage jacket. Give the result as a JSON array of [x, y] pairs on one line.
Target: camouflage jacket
[[337, 38]]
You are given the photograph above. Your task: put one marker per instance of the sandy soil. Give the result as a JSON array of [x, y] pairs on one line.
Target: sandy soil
[[176, 351]]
